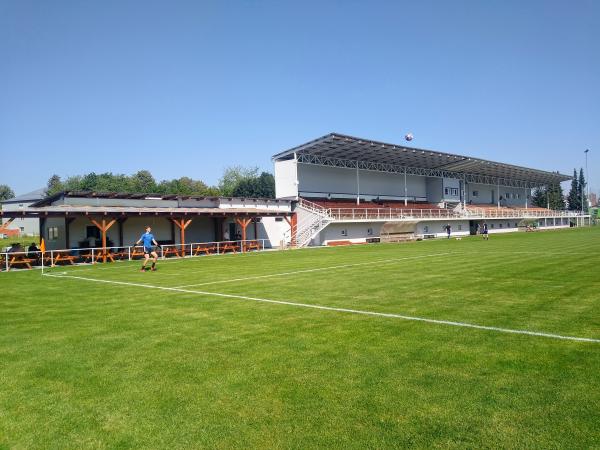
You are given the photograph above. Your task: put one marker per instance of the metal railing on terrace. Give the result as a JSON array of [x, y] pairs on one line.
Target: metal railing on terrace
[[402, 213], [33, 259]]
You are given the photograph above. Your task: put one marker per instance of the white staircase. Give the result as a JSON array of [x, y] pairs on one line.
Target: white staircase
[[312, 218]]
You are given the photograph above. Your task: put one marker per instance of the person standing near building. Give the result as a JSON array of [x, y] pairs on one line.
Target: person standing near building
[[448, 230], [485, 231], [148, 242]]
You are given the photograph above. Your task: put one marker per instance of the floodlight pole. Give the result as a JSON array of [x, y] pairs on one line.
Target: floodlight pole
[[587, 174]]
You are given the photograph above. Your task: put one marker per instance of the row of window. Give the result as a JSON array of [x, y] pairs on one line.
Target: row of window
[[507, 195], [344, 232], [52, 233], [451, 191]]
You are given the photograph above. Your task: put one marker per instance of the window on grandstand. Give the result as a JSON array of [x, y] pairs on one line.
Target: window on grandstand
[[425, 229], [369, 231], [518, 195], [492, 225], [500, 225], [22, 229], [52, 233], [516, 225], [344, 232], [459, 227], [475, 193], [507, 196], [454, 191], [446, 191]]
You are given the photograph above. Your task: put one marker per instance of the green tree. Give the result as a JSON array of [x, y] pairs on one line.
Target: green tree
[[143, 182], [574, 198], [539, 198], [262, 186], [556, 197], [54, 185], [582, 186], [6, 192], [233, 176]]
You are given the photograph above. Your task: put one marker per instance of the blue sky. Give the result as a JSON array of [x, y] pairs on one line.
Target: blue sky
[[189, 87]]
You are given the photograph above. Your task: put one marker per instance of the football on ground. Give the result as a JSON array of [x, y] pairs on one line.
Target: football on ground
[[438, 343]]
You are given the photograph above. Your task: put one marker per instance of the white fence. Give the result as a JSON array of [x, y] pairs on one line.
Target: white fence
[[401, 213], [28, 260]]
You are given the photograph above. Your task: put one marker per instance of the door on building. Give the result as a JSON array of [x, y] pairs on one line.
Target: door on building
[[232, 231]]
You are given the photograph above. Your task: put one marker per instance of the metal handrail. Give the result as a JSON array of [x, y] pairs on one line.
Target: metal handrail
[[403, 213]]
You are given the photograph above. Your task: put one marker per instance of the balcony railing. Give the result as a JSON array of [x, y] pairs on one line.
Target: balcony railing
[[480, 213]]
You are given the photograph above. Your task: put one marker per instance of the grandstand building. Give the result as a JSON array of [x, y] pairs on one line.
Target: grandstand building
[[358, 190]]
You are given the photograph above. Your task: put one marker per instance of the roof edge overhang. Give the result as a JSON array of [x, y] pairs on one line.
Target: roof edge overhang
[[140, 196], [459, 161]]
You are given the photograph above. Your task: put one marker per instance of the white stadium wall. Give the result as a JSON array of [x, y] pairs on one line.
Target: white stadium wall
[[272, 229], [319, 181], [286, 179], [488, 194]]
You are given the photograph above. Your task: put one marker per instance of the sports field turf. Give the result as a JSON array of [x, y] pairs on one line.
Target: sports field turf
[[124, 362]]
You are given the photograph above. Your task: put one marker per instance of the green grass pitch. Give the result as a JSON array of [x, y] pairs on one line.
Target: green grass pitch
[[108, 357]]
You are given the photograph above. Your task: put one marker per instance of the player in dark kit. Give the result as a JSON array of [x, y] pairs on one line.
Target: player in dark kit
[[148, 241]]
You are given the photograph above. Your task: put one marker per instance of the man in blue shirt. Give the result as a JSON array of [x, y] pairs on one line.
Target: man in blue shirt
[[148, 241]]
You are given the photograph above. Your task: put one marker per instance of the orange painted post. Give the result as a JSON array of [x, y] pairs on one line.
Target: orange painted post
[[182, 224], [243, 223], [103, 229], [294, 227], [293, 223]]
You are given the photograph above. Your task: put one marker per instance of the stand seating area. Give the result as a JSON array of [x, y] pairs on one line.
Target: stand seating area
[[383, 204]]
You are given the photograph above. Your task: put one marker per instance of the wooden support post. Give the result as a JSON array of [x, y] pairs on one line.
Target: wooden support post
[[243, 223], [293, 223], [103, 227], [182, 224]]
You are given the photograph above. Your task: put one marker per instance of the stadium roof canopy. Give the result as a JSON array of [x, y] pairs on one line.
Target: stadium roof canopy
[[338, 150]]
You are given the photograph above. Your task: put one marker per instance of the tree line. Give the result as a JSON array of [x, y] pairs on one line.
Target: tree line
[[236, 181], [553, 197]]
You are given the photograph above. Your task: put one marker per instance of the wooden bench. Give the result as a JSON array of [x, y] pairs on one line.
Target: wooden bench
[[64, 257], [252, 245], [338, 243], [18, 260], [170, 251], [229, 246], [206, 249]]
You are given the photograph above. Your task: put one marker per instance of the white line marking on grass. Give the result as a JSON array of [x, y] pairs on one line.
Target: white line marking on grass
[[316, 269], [343, 310]]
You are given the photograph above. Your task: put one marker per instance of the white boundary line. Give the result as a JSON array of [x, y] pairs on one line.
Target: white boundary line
[[316, 269], [344, 310]]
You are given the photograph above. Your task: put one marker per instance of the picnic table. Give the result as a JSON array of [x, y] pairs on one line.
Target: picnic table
[[207, 249], [19, 259], [61, 256], [98, 254], [229, 246], [251, 245]]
